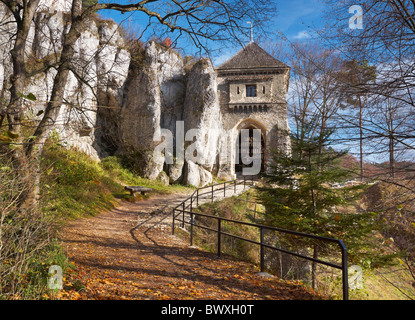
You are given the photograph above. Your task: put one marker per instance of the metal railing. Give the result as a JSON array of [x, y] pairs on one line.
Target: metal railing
[[209, 192], [181, 210]]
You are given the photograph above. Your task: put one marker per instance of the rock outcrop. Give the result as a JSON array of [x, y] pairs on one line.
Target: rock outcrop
[[203, 116], [111, 108], [99, 71], [152, 102], [159, 97]]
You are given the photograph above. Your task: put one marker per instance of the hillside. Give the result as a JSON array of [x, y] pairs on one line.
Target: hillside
[[396, 202], [393, 282], [374, 171]]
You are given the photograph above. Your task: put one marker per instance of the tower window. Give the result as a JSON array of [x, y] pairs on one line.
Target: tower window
[[251, 90], [237, 90]]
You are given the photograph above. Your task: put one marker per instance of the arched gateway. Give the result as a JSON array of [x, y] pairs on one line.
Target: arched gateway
[[246, 147], [252, 89]]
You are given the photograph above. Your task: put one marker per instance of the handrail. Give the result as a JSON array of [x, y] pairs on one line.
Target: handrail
[[233, 183], [182, 211]]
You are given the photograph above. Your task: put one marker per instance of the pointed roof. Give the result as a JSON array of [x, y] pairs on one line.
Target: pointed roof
[[252, 56]]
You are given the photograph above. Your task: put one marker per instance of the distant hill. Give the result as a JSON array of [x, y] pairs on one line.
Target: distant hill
[[403, 169]]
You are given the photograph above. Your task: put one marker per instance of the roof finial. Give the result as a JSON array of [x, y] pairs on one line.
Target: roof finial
[[252, 31]]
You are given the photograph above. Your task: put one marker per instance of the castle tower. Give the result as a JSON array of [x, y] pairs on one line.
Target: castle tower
[[252, 89]]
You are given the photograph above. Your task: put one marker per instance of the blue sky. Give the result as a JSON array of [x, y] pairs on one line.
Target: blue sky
[[293, 18]]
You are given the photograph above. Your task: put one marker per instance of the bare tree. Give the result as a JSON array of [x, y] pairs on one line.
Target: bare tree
[[313, 92], [353, 79], [200, 21], [386, 42]]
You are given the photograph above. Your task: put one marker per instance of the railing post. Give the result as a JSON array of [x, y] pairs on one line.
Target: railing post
[[197, 197], [345, 276], [191, 203], [262, 253], [212, 193], [183, 215], [191, 229], [174, 213], [219, 236]]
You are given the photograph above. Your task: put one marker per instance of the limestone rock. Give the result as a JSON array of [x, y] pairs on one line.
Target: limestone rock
[[99, 60], [164, 179], [202, 112], [196, 175], [55, 5], [152, 165], [192, 174], [175, 172], [205, 177], [153, 99]]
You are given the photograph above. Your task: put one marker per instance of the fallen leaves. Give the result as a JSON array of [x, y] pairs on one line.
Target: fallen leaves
[[112, 261]]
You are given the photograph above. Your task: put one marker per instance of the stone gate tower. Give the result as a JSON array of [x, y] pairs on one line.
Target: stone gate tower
[[252, 91]]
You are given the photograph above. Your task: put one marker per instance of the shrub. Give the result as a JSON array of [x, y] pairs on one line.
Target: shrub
[[26, 249]]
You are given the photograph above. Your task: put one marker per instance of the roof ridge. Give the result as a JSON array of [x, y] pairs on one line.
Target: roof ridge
[[252, 56]]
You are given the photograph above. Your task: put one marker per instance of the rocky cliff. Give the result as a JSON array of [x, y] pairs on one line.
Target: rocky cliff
[[161, 96], [115, 107]]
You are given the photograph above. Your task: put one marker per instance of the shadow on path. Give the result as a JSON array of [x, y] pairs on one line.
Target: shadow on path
[[129, 253]]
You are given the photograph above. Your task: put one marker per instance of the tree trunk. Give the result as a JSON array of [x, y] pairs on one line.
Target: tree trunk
[[361, 139], [390, 115], [15, 107], [58, 90], [391, 157], [35, 145]]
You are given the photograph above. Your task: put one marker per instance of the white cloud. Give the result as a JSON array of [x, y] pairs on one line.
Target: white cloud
[[223, 58], [302, 35]]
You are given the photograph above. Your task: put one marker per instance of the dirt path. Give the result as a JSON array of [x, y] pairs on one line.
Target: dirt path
[[129, 253]]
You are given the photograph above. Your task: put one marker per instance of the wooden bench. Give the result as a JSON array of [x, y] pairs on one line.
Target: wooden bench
[[135, 189]]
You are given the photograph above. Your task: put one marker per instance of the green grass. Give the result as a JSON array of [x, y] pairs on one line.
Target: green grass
[[74, 185], [394, 283], [389, 283], [231, 208], [115, 170]]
